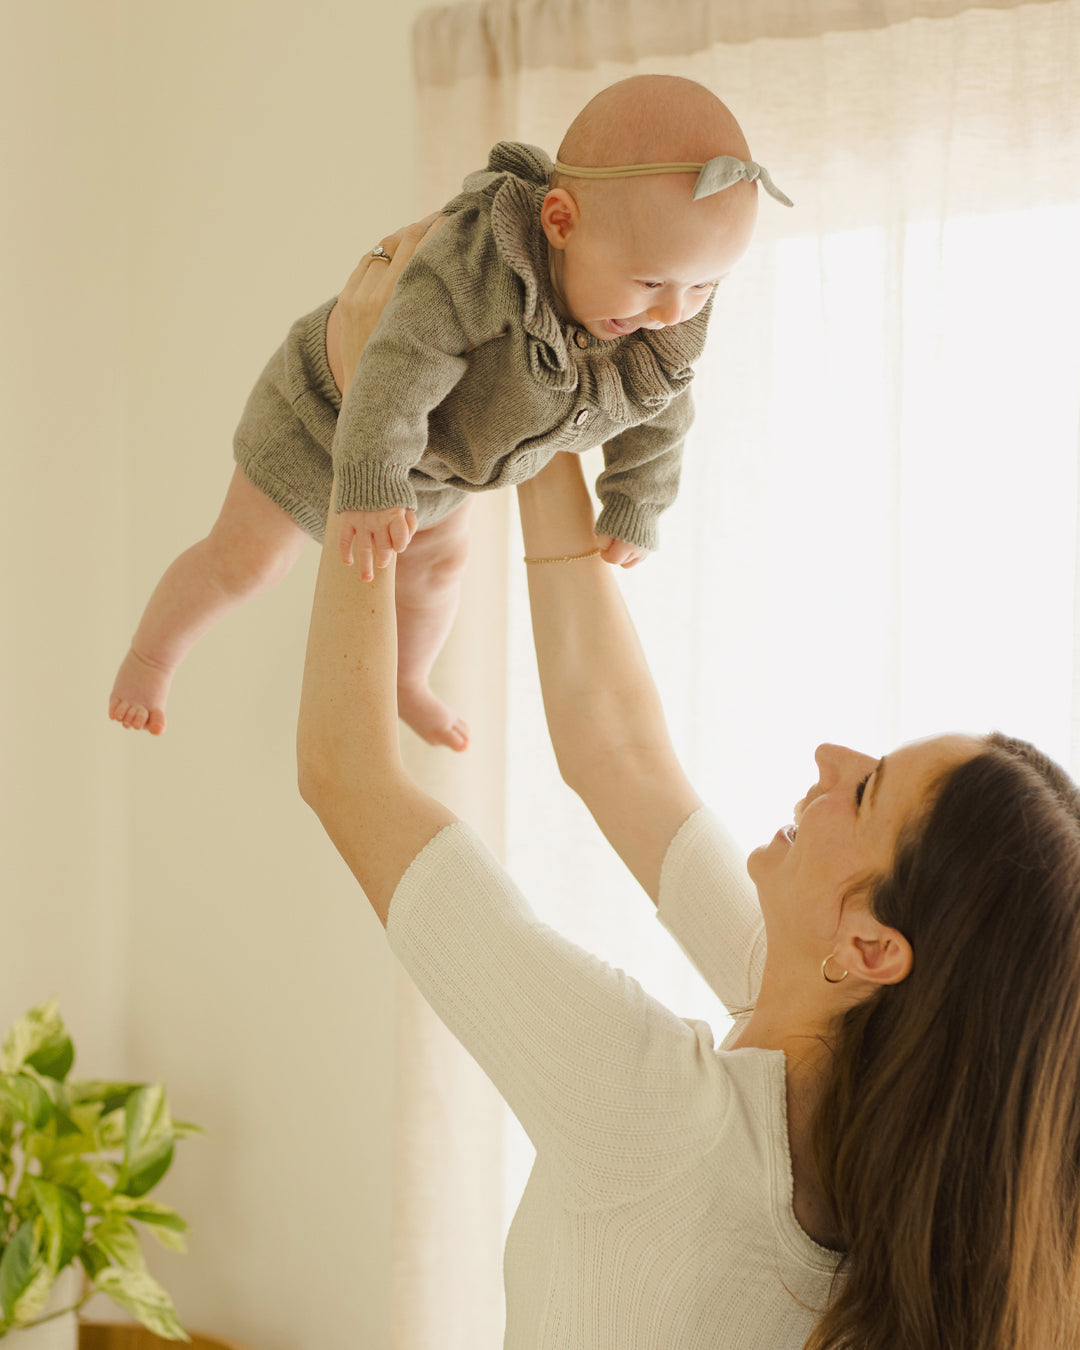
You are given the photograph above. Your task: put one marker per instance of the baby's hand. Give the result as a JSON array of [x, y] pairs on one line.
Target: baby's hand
[[619, 553], [373, 537]]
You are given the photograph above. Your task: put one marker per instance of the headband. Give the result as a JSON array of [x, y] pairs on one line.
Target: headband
[[713, 176]]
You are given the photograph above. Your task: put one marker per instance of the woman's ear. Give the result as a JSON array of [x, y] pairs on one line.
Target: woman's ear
[[559, 216], [874, 953]]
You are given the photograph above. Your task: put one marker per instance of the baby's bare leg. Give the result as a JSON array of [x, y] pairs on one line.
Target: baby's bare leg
[[428, 587], [252, 546]]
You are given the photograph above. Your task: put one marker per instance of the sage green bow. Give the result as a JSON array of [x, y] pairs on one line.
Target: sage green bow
[[724, 170], [714, 176]]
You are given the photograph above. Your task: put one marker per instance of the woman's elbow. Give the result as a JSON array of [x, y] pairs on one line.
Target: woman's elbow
[[579, 770], [314, 781]]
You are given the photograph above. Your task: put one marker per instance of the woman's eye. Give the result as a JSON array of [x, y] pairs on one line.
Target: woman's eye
[[651, 285], [862, 788]]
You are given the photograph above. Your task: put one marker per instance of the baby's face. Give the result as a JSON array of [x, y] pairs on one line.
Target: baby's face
[[650, 262]]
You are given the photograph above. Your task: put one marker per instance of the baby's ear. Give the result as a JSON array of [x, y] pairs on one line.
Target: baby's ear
[[559, 216]]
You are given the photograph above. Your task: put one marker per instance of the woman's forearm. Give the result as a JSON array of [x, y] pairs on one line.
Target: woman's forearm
[[598, 690], [348, 756], [604, 715]]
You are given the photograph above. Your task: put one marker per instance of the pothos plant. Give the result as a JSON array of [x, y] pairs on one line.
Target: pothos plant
[[77, 1160]]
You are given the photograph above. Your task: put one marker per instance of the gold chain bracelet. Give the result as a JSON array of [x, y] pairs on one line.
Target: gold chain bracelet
[[569, 557]]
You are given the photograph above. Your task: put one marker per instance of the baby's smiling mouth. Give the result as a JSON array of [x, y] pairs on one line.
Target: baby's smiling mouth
[[622, 326]]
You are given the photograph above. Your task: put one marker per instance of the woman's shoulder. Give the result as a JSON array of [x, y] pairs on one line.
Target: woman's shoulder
[[709, 906]]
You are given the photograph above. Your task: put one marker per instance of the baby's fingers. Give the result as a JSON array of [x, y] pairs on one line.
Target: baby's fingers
[[384, 548], [364, 554], [618, 553], [613, 551], [345, 539], [402, 529]]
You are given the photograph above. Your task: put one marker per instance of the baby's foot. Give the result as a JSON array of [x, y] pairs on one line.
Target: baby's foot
[[430, 718], [139, 693]]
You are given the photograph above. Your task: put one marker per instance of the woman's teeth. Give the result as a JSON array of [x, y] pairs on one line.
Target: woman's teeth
[[790, 831]]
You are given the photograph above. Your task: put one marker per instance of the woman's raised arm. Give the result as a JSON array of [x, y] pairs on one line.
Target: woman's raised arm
[[603, 712], [348, 757]]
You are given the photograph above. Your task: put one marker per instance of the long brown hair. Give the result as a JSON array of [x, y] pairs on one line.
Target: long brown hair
[[948, 1137]]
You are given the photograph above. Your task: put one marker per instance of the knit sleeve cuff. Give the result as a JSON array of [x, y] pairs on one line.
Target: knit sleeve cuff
[[367, 486], [632, 522]]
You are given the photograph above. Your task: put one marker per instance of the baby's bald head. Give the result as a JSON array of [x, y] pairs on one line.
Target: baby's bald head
[[651, 119], [656, 119]]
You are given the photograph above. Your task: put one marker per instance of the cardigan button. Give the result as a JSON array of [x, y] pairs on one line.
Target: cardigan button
[[581, 418], [582, 339]]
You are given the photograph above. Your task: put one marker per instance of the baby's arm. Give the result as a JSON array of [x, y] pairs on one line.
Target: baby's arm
[[640, 481], [411, 364], [371, 538]]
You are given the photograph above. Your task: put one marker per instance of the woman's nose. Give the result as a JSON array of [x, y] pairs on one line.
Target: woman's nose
[[827, 759], [834, 761]]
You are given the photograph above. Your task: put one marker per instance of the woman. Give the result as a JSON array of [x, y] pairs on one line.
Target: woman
[[886, 1150]]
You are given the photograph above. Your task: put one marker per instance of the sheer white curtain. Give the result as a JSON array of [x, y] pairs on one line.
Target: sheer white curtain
[[876, 537]]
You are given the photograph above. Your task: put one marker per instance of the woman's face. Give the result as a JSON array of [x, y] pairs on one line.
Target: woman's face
[[846, 830]]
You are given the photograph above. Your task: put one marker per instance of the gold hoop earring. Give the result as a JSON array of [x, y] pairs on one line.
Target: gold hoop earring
[[825, 975]]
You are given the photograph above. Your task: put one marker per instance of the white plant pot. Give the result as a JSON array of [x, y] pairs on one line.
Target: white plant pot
[[60, 1333]]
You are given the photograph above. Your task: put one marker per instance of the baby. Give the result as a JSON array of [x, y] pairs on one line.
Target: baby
[[558, 308]]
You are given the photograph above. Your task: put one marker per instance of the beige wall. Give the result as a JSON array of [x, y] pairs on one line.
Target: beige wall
[[64, 826], [179, 182]]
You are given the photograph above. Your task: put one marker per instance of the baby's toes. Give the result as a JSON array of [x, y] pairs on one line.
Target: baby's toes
[[457, 735], [135, 717]]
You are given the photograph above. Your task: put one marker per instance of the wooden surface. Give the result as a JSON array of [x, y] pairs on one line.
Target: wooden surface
[[125, 1336]]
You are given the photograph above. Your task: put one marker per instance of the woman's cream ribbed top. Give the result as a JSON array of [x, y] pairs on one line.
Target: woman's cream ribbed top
[[658, 1213]]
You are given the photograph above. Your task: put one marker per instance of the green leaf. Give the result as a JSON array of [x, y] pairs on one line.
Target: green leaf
[[77, 1176], [36, 1294], [41, 1031], [165, 1224], [26, 1099], [54, 1059], [112, 1129], [17, 1268], [116, 1237], [109, 1095], [70, 1142], [93, 1260], [148, 1142], [64, 1221], [170, 1240], [141, 1295]]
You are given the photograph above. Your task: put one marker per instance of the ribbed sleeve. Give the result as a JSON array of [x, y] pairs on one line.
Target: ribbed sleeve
[[616, 1092], [709, 906], [641, 473], [410, 364]]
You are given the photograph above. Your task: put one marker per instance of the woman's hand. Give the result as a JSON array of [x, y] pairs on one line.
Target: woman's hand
[[363, 297]]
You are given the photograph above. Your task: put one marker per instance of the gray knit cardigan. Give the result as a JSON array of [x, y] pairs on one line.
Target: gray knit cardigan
[[472, 380]]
